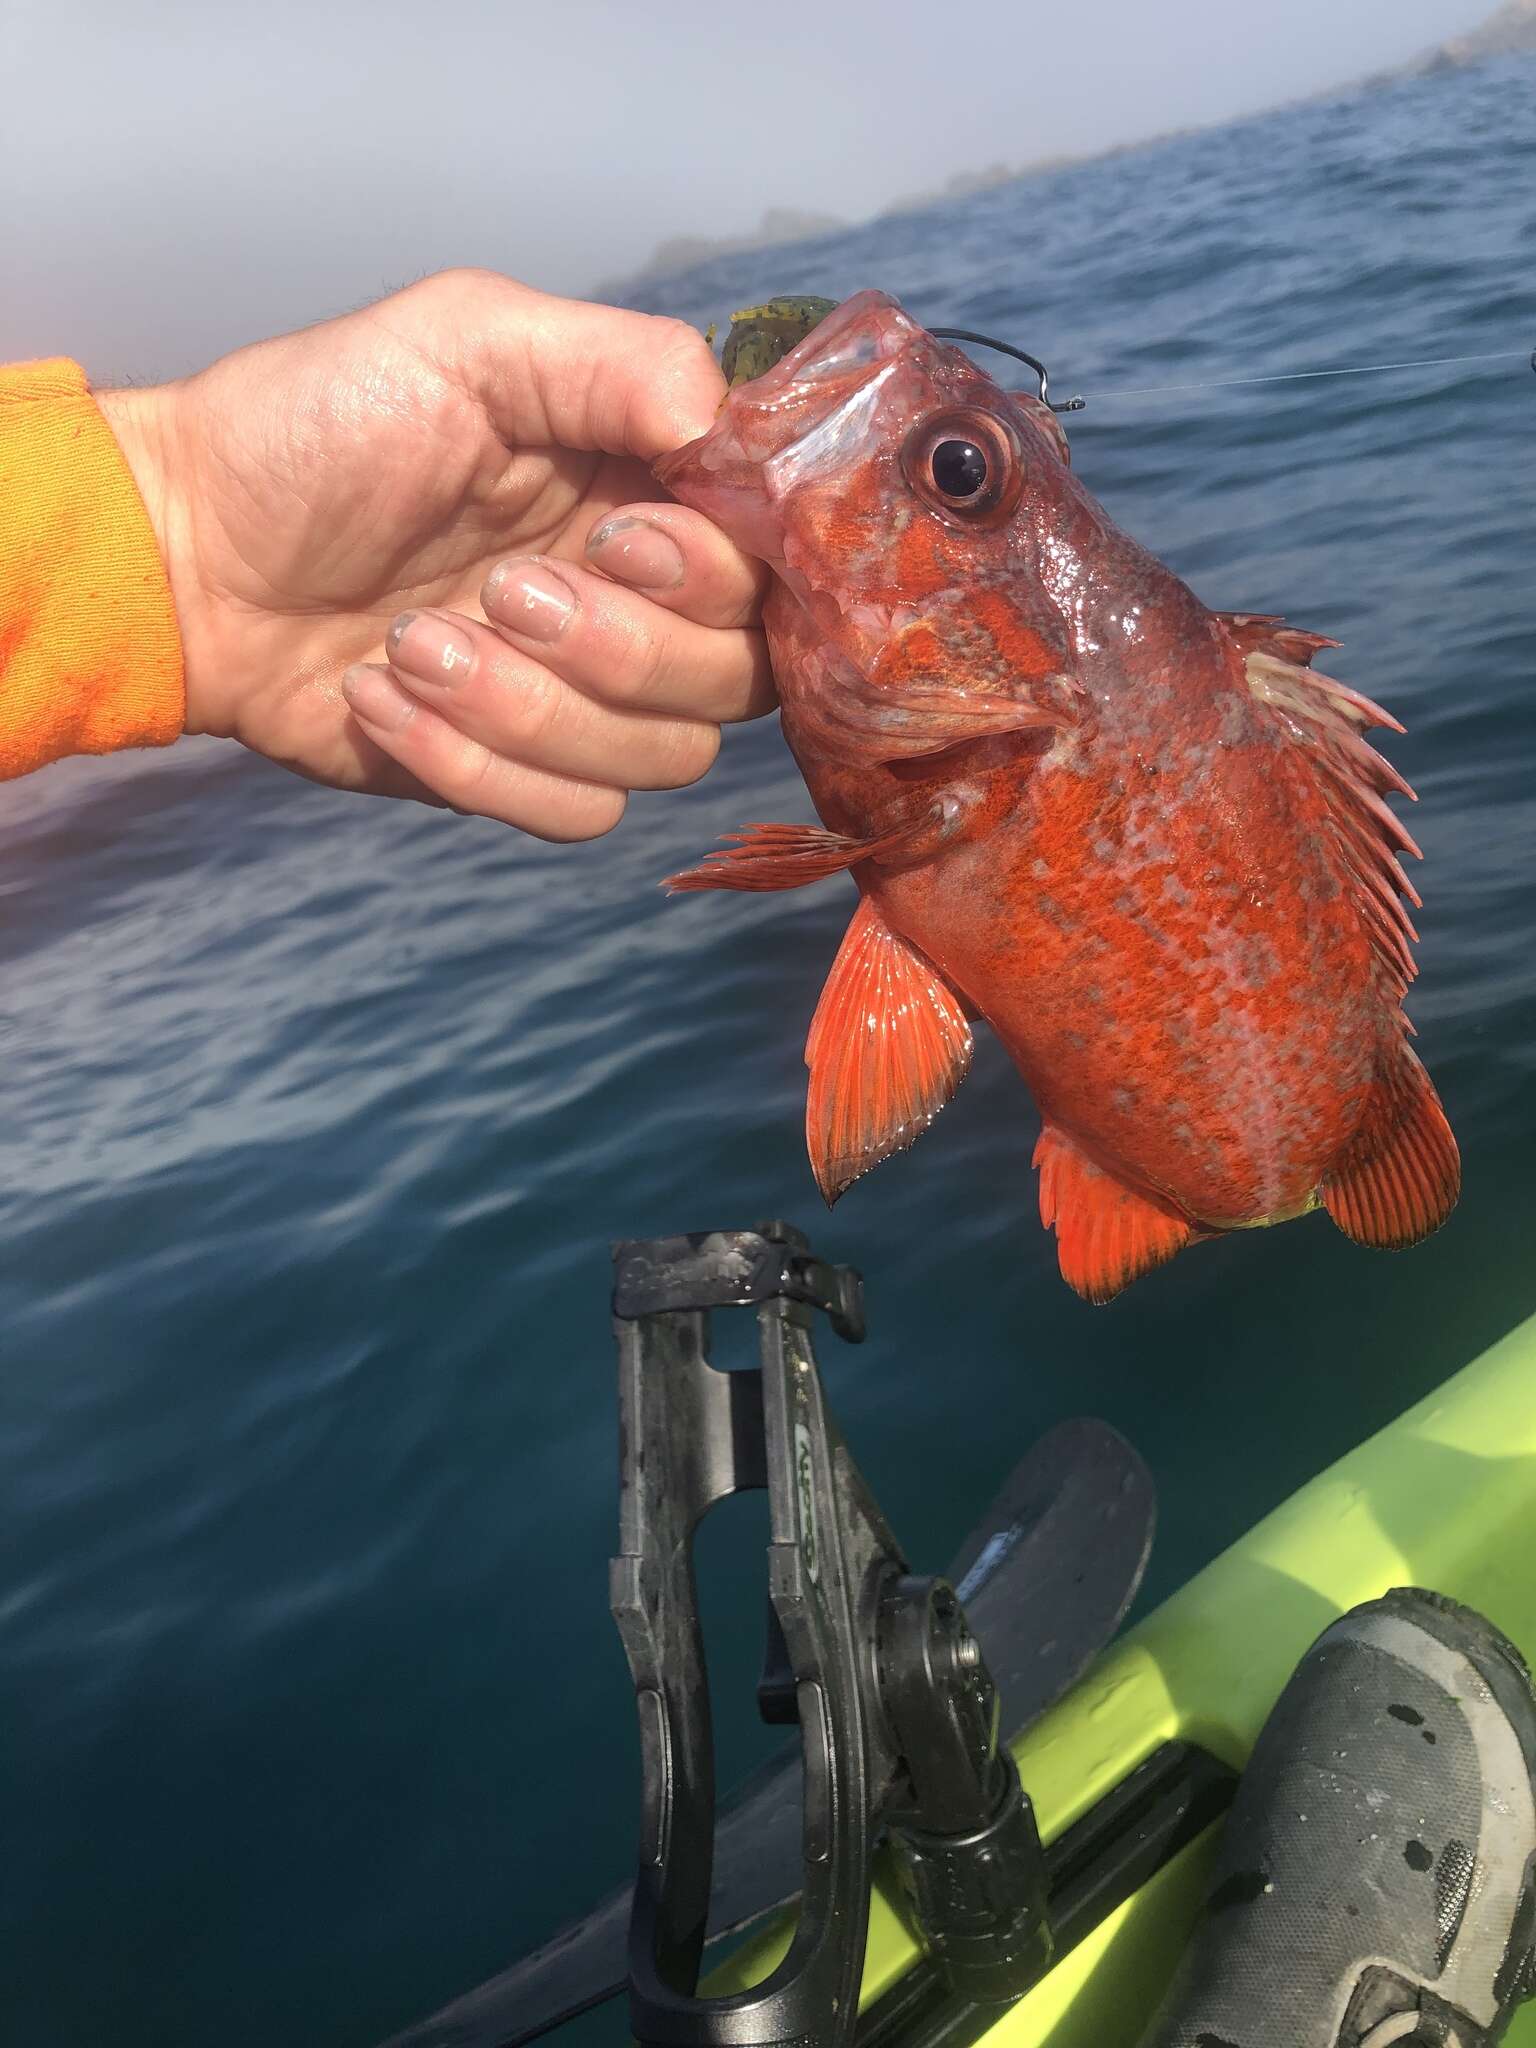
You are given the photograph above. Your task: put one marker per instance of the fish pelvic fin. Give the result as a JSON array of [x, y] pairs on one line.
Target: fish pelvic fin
[[887, 1048], [1107, 1233], [1402, 1175], [787, 857], [1327, 722], [783, 857]]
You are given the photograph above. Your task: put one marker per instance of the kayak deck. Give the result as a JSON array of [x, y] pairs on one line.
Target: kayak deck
[[1444, 1497]]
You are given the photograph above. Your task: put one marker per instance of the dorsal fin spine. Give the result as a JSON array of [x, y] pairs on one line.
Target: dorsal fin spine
[[1328, 720]]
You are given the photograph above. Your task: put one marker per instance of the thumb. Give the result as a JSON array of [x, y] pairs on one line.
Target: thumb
[[560, 373]]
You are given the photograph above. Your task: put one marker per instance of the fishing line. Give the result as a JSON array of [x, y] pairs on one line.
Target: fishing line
[[1077, 402], [1297, 376]]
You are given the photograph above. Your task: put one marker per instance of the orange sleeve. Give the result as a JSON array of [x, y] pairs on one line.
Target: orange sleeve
[[90, 655]]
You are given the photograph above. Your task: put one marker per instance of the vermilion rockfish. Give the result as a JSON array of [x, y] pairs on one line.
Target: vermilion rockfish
[[1145, 841]]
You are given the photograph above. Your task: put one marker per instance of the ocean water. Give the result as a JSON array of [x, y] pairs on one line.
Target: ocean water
[[319, 1114]]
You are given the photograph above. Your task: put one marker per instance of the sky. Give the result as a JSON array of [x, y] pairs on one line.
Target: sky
[[176, 179]]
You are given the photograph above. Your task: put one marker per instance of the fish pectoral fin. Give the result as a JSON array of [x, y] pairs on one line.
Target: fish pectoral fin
[[887, 1048], [1404, 1171], [787, 857], [1107, 1233]]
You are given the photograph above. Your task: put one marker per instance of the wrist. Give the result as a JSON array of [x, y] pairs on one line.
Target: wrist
[[142, 423]]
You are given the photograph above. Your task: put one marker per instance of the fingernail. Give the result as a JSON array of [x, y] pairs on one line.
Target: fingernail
[[530, 599], [376, 697], [429, 649], [636, 552]]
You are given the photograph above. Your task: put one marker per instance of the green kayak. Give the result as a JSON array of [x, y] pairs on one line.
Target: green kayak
[[1444, 1497], [1127, 1755]]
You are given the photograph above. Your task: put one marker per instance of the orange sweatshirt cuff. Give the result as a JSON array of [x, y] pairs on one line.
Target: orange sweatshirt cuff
[[90, 654]]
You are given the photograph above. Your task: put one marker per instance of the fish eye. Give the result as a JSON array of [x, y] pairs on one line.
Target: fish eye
[[959, 468], [965, 463]]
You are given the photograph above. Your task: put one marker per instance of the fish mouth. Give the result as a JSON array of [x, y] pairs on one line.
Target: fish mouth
[[767, 417], [815, 414], [850, 352], [761, 336]]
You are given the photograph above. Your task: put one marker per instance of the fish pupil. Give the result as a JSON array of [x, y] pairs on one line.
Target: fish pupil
[[959, 468]]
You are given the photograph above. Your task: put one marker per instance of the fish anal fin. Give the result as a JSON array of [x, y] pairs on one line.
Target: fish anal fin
[[887, 1048], [1403, 1173], [1107, 1233], [782, 857]]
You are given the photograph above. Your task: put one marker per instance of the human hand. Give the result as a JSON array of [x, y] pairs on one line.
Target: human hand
[[466, 451]]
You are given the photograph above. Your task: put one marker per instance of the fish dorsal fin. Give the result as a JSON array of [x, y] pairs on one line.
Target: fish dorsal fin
[[1107, 1234], [1403, 1172], [1267, 633], [1328, 722], [888, 1047]]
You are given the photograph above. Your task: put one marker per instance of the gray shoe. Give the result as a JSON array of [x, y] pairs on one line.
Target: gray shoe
[[1376, 1883]]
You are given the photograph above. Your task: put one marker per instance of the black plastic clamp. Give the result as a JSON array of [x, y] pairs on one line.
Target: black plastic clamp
[[897, 1712], [731, 1269]]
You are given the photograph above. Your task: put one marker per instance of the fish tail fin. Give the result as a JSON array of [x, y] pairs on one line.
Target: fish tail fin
[[1402, 1175], [1107, 1233]]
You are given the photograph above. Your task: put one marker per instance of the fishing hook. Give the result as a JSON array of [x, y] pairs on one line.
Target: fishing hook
[[1007, 348]]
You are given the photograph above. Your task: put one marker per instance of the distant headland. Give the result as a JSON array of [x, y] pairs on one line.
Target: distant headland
[[1509, 31]]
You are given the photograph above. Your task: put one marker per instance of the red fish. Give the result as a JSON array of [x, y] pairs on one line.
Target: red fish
[[1145, 841]]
